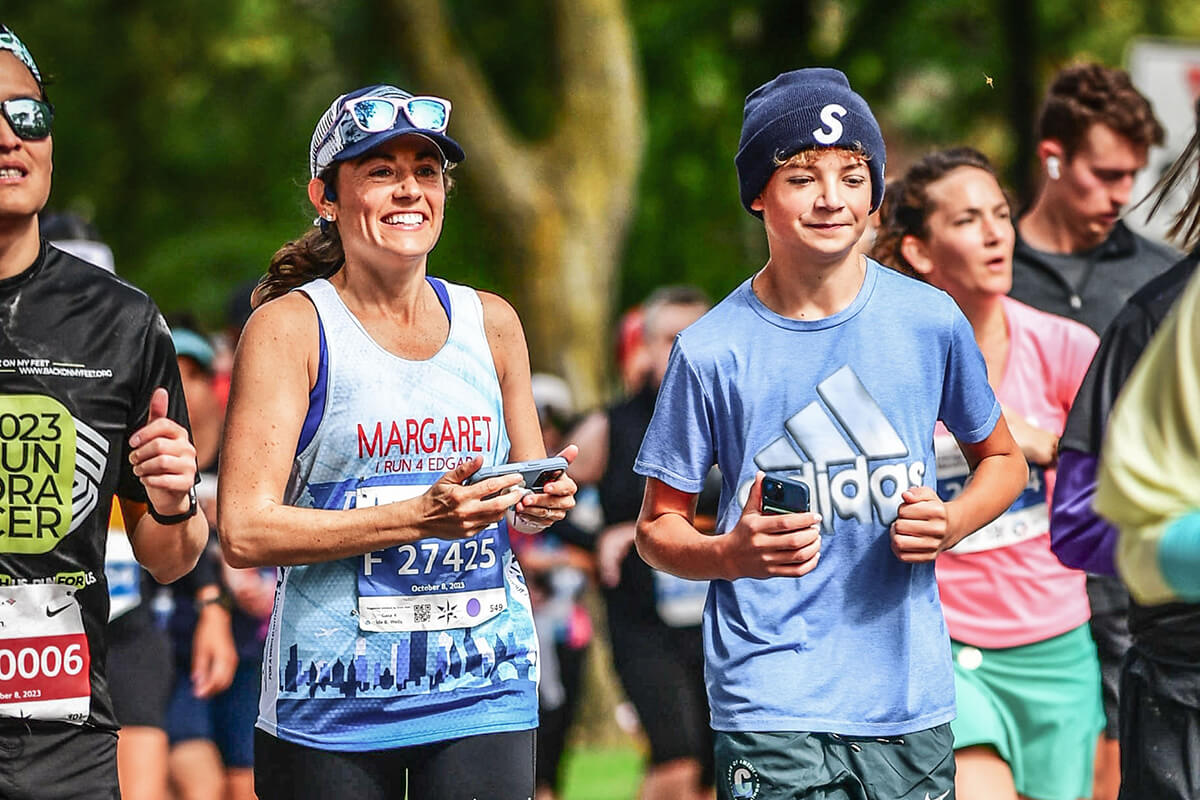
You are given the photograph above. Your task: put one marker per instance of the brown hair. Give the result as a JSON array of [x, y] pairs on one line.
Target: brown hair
[[316, 254], [1085, 94], [906, 204], [1185, 230]]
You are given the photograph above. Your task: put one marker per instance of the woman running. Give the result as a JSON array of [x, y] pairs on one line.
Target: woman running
[[401, 654], [1027, 680]]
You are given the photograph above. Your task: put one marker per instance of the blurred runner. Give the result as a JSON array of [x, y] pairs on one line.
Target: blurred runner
[[218, 645], [558, 567], [653, 617], [1159, 679]]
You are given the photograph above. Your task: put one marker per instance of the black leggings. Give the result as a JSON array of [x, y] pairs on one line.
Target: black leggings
[[494, 766]]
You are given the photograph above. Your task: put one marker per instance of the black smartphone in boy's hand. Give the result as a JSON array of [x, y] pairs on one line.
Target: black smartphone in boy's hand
[[781, 495]]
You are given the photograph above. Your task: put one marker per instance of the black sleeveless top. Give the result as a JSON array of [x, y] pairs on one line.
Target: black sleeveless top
[[632, 600]]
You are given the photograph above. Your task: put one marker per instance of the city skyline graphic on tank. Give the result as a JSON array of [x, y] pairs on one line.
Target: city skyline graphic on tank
[[843, 447], [347, 678]]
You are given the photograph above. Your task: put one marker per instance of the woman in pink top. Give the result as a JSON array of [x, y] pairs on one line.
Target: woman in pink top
[[1026, 674]]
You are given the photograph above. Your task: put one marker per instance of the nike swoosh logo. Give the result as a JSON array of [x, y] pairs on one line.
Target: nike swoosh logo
[[941, 796], [58, 611]]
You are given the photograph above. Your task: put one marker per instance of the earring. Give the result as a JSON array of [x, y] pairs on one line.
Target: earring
[[325, 215], [1053, 168]]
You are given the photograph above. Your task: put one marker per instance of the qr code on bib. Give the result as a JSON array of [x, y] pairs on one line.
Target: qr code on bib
[[421, 612]]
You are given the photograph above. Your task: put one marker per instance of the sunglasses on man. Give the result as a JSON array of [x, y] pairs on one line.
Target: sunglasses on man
[[29, 117]]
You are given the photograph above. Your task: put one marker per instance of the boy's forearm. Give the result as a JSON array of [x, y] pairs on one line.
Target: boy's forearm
[[995, 483], [672, 544]]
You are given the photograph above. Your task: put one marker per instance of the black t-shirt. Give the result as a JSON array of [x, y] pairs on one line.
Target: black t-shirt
[[632, 601], [81, 352], [1169, 631]]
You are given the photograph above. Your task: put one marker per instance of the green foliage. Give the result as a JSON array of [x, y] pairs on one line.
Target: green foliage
[[601, 774], [183, 127]]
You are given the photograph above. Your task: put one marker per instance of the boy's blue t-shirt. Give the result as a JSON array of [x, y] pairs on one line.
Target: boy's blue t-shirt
[[848, 405]]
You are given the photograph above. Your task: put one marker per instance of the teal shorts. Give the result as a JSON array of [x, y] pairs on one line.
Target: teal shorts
[[826, 766], [1038, 705]]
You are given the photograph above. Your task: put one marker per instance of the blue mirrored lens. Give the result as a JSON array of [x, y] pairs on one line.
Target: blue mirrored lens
[[29, 118], [374, 115], [426, 113]]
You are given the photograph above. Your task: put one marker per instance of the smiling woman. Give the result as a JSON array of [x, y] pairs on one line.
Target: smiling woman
[[402, 628]]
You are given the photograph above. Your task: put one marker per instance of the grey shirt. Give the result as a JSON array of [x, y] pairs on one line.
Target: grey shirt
[[1089, 286]]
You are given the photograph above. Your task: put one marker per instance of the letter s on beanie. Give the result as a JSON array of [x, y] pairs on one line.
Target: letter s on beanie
[[798, 110]]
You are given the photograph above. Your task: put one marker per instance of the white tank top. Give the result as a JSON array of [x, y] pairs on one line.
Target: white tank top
[[420, 642]]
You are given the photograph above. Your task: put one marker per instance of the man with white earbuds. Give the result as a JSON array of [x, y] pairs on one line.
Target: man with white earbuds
[[1075, 257]]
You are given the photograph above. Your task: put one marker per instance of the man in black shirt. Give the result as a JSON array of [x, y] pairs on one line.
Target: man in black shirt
[[90, 406], [653, 618], [1074, 257]]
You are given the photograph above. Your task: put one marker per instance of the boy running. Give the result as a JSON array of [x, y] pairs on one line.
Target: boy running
[[835, 680]]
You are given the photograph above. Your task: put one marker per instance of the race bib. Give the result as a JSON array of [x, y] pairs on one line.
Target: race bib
[[432, 584], [679, 601], [1027, 518], [45, 664], [123, 574]]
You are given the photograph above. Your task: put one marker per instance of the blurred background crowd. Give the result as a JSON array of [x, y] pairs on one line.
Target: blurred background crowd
[[176, 121]]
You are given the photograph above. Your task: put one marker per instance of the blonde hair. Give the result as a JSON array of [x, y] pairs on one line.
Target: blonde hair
[[809, 155]]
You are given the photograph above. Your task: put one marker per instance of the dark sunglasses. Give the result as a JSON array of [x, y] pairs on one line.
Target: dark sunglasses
[[30, 118]]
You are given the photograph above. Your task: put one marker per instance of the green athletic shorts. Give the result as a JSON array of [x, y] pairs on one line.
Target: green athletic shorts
[[826, 766], [1038, 705]]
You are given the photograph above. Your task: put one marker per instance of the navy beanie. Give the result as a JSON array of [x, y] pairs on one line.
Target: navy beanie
[[799, 110]]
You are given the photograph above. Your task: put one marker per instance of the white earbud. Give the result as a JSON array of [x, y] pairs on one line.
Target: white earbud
[[1053, 168]]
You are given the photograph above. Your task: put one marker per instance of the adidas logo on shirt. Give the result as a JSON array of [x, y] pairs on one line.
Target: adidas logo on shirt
[[835, 445]]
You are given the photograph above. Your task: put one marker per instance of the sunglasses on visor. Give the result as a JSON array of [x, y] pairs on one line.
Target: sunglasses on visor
[[29, 118], [377, 114]]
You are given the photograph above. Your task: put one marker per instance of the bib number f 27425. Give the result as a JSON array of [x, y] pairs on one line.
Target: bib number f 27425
[[433, 584]]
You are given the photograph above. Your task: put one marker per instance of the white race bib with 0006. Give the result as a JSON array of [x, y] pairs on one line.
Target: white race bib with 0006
[[45, 663]]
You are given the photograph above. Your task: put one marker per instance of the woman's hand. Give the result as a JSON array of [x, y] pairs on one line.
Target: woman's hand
[[536, 511], [453, 510], [1038, 446]]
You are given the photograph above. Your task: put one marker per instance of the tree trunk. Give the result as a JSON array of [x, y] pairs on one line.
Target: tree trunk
[[564, 203]]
